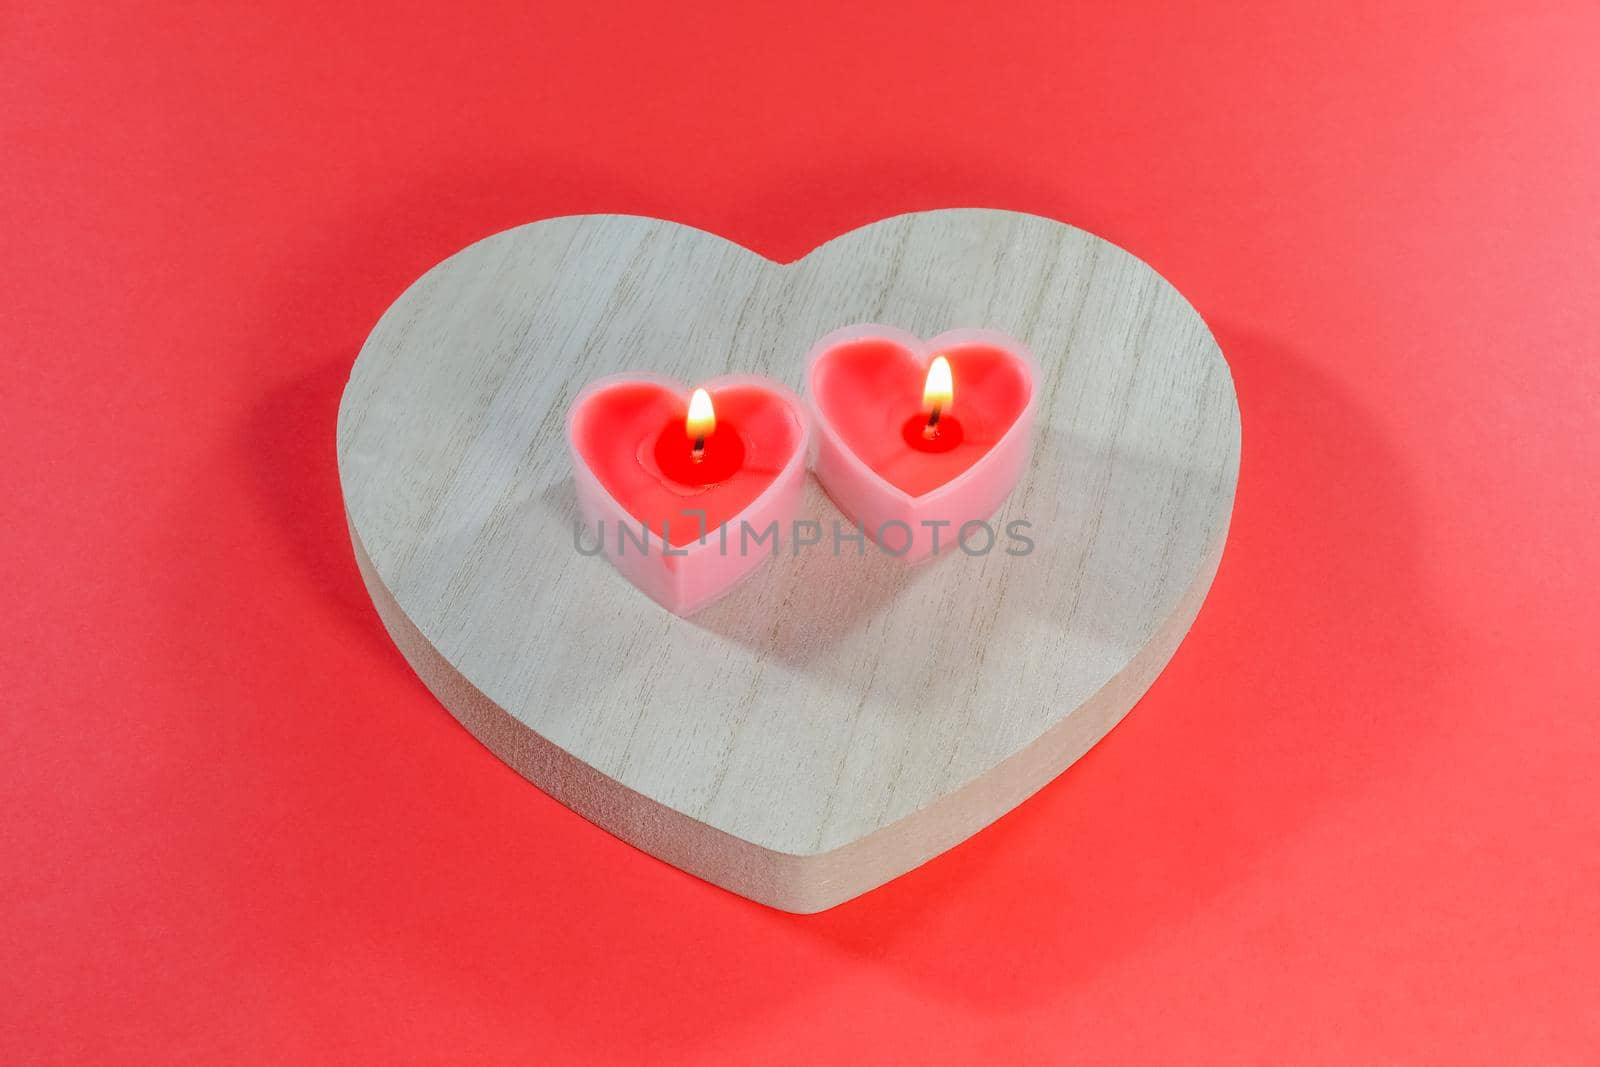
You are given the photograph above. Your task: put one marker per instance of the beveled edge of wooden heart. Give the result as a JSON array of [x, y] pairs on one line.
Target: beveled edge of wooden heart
[[802, 884]]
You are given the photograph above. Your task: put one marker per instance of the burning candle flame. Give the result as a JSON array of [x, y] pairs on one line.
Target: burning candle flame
[[937, 394], [940, 389], [702, 420]]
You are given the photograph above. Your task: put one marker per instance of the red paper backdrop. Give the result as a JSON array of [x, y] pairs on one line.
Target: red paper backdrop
[[1355, 821]]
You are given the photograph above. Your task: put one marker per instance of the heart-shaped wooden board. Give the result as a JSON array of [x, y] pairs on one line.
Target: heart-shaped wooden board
[[837, 719]]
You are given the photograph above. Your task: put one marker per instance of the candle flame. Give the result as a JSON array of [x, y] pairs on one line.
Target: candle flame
[[702, 420], [940, 389]]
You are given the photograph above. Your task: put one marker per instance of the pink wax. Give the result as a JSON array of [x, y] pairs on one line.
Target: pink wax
[[637, 480], [866, 389]]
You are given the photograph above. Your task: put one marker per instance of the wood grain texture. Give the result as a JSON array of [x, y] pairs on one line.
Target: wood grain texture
[[838, 719]]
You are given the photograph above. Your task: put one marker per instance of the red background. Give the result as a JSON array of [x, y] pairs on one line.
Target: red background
[[1356, 819]]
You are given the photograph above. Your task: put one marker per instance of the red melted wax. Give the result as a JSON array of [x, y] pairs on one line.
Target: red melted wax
[[720, 457], [943, 436]]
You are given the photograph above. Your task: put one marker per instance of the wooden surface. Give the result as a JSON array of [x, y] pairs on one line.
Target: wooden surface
[[836, 720]]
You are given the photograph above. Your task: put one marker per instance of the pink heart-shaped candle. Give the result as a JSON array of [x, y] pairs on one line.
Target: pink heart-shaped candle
[[684, 522], [921, 477]]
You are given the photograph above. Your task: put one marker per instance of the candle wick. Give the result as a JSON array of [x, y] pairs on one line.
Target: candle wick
[[931, 430], [699, 453]]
